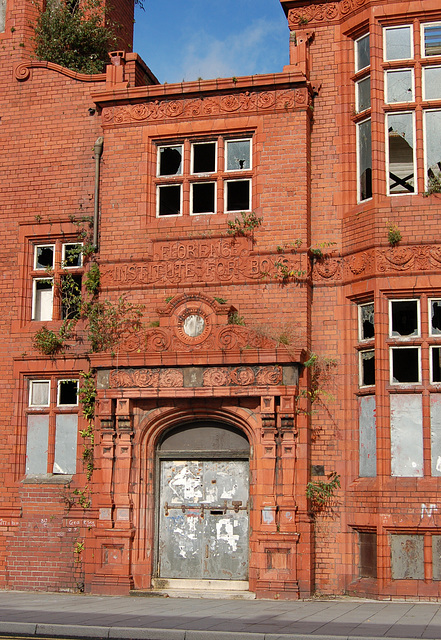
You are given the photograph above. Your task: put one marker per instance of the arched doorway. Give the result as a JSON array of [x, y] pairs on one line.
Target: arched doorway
[[203, 479]]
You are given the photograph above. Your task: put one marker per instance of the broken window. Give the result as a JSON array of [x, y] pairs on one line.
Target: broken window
[[52, 427], [431, 39], [169, 200], [44, 256], [70, 289], [404, 318], [405, 365], [192, 177], [398, 43], [363, 94], [72, 255], [238, 155], [366, 326], [362, 53], [432, 83], [67, 393], [170, 161], [367, 368], [56, 274], [203, 197], [204, 157], [435, 317], [238, 194], [364, 159], [399, 86], [432, 145], [400, 152], [407, 557], [367, 567], [435, 364]]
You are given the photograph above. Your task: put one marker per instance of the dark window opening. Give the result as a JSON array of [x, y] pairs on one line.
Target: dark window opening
[[367, 368], [405, 365], [203, 197], [367, 321], [436, 364], [72, 255], [170, 200], [70, 289], [238, 195], [404, 318], [436, 317], [170, 161], [204, 157], [68, 392], [368, 554], [44, 258]]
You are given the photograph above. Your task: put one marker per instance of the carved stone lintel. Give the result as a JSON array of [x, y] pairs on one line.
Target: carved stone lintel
[[189, 108]]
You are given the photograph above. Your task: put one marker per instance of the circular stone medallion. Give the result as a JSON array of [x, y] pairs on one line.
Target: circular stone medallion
[[193, 326]]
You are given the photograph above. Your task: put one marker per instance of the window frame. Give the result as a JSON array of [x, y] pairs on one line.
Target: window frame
[[188, 178], [359, 174], [423, 25], [415, 336], [361, 382], [389, 72], [396, 347], [396, 28], [414, 154], [54, 424]]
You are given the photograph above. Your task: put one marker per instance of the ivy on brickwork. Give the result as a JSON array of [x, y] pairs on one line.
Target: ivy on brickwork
[[321, 493]]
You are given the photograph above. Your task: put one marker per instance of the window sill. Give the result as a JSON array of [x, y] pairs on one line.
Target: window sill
[[48, 478]]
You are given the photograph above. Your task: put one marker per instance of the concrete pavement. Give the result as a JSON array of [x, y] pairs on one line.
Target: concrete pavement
[[156, 618]]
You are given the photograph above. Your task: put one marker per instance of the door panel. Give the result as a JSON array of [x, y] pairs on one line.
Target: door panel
[[203, 524]]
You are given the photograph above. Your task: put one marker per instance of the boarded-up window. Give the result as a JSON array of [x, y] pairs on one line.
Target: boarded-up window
[[406, 433], [436, 557], [407, 555], [368, 437], [435, 432], [37, 444], [368, 554], [2, 15], [66, 428]]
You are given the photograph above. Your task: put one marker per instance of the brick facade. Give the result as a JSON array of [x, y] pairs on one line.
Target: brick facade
[[251, 351]]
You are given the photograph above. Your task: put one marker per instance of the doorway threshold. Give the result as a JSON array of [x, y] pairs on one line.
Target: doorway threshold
[[187, 588]]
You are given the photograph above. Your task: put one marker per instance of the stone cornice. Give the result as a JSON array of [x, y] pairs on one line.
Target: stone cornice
[[226, 104]]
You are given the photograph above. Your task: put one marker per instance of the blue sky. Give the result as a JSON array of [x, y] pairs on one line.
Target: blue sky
[[191, 39]]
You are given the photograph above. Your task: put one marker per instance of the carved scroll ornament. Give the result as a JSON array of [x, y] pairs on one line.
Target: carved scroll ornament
[[319, 13], [189, 108]]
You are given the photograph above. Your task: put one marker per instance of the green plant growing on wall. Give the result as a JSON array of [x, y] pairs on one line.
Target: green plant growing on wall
[[321, 370], [286, 274], [235, 318], [244, 225], [74, 34], [434, 185], [321, 493], [393, 235], [320, 250], [48, 342], [109, 322]]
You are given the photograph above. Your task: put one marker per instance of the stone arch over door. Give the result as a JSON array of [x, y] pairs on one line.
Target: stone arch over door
[[202, 502]]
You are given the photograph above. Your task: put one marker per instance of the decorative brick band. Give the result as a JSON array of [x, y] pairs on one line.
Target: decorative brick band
[[189, 108], [319, 13], [210, 377]]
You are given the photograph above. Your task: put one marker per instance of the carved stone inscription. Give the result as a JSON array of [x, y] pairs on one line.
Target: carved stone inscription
[[191, 262]]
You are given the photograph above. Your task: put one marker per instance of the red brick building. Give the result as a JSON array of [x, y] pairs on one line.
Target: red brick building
[[280, 233]]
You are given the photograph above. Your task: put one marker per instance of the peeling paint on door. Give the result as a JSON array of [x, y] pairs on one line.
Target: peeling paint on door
[[203, 524]]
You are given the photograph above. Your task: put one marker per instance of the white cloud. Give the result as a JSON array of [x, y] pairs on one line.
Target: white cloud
[[247, 52]]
